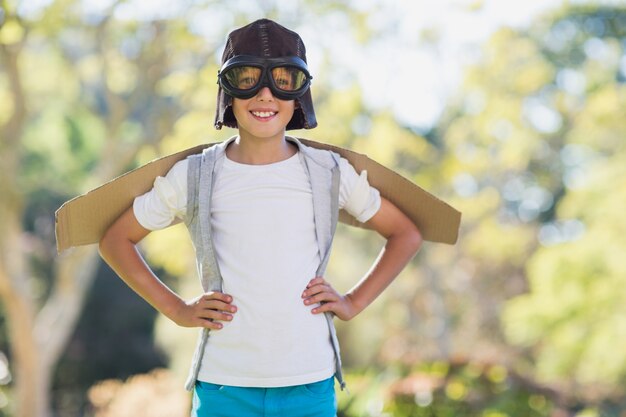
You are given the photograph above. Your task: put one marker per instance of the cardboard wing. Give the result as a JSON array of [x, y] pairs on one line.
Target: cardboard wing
[[84, 219]]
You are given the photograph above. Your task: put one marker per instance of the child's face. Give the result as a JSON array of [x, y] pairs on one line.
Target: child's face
[[263, 116]]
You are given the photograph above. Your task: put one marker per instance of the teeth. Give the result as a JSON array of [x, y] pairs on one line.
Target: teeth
[[263, 113]]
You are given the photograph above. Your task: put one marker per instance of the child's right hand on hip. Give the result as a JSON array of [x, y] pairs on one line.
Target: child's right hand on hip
[[206, 310]]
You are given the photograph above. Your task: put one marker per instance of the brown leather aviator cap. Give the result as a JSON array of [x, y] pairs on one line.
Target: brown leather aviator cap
[[266, 39]]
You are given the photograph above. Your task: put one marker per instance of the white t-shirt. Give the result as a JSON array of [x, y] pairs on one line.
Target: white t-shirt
[[266, 248]]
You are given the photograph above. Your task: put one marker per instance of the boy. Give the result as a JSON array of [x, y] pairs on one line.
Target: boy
[[261, 209]]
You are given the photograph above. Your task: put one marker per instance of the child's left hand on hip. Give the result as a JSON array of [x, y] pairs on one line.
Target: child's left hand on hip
[[320, 291]]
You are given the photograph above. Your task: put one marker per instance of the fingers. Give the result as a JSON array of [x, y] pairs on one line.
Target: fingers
[[319, 294], [217, 306], [316, 281], [326, 307], [215, 295], [211, 308], [317, 285], [315, 289], [208, 324], [320, 291], [329, 301], [214, 315]]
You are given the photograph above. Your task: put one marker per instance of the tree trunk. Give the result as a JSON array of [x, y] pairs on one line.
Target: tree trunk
[[38, 339], [18, 306], [38, 336]]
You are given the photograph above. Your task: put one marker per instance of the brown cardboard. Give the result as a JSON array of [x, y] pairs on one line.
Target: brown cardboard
[[84, 219]]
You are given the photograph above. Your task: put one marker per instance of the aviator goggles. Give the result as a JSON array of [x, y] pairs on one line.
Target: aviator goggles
[[243, 76]]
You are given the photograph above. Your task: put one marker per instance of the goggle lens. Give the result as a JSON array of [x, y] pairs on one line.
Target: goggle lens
[[288, 78], [243, 78]]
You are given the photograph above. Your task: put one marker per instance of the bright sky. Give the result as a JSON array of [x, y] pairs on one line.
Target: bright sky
[[414, 82], [425, 78]]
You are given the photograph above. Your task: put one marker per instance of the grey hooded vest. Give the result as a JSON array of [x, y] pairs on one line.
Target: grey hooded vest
[[322, 168]]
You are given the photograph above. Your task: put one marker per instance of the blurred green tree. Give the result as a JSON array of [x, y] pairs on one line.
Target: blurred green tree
[[82, 95], [575, 309], [534, 150]]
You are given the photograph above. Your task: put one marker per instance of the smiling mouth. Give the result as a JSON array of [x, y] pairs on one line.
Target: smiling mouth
[[263, 114]]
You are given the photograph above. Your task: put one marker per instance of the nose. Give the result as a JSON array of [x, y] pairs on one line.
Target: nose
[[265, 94]]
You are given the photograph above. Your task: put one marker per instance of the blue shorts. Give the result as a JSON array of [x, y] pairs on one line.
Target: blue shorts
[[308, 400]]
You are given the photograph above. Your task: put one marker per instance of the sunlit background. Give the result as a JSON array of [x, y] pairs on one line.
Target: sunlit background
[[513, 112]]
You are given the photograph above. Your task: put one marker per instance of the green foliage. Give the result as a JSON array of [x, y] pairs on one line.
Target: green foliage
[[534, 150], [443, 389], [461, 388], [575, 307]]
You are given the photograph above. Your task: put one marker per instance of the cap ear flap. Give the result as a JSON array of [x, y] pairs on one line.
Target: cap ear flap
[[229, 117]]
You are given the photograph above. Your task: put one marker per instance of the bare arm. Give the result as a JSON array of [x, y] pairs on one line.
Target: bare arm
[[118, 249], [403, 242]]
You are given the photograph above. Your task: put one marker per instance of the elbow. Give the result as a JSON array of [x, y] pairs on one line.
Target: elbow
[[121, 236], [407, 237], [410, 237], [109, 241], [115, 240], [414, 239]]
